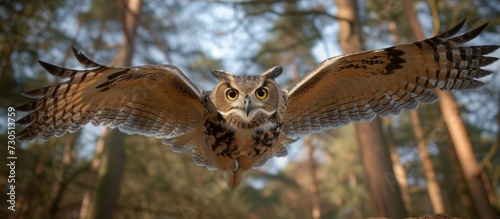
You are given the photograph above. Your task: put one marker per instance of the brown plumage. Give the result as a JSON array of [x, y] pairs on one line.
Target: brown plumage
[[245, 120]]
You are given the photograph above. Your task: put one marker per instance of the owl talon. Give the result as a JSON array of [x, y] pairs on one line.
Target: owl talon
[[236, 166]]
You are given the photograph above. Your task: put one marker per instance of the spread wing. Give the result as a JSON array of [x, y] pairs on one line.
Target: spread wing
[[362, 85], [151, 100]]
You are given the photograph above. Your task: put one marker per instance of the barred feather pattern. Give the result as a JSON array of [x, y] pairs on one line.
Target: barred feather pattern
[[152, 100], [359, 86]]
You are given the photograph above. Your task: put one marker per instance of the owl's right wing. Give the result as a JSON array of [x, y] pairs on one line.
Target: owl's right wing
[[151, 100], [359, 86]]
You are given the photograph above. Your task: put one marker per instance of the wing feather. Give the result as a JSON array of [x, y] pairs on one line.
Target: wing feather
[[152, 100], [360, 86]]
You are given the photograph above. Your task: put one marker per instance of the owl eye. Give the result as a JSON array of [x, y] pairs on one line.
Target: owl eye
[[231, 94], [261, 93]]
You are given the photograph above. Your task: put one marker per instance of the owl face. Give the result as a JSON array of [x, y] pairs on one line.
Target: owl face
[[246, 101]]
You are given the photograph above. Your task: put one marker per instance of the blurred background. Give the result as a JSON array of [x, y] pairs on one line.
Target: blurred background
[[417, 163]]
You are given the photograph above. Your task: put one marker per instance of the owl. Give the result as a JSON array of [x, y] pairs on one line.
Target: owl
[[245, 120]]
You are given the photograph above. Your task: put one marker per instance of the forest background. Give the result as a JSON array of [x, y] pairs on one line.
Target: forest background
[[417, 163]]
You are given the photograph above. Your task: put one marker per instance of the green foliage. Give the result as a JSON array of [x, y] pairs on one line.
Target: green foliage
[[290, 40], [20, 23]]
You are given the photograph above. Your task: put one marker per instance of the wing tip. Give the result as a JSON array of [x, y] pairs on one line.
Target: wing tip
[[84, 60], [52, 69], [452, 31], [468, 35]]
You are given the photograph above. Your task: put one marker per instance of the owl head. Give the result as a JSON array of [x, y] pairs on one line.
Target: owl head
[[247, 101]]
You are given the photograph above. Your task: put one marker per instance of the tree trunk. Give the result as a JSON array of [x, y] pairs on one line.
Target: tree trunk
[[465, 154], [399, 170], [94, 167], [108, 177], [458, 133], [451, 189], [430, 174], [385, 196], [316, 209], [467, 209], [111, 169]]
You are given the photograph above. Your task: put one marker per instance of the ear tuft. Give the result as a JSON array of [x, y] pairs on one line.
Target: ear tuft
[[272, 73], [222, 75]]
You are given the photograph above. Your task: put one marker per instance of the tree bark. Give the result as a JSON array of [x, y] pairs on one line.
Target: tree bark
[[466, 208], [465, 154], [112, 165], [108, 177], [430, 173], [399, 170], [316, 209], [385, 196], [458, 201], [94, 167], [458, 133]]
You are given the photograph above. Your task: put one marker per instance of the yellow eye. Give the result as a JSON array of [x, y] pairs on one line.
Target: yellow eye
[[261, 93], [231, 94]]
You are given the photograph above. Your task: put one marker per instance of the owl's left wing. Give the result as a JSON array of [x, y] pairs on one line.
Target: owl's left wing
[[362, 85], [151, 100]]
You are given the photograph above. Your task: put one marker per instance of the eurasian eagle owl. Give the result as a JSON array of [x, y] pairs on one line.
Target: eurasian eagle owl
[[245, 120]]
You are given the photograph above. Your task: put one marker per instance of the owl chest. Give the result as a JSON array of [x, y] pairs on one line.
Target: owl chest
[[227, 141]]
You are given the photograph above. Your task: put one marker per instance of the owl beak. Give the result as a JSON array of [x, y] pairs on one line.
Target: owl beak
[[248, 106]]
